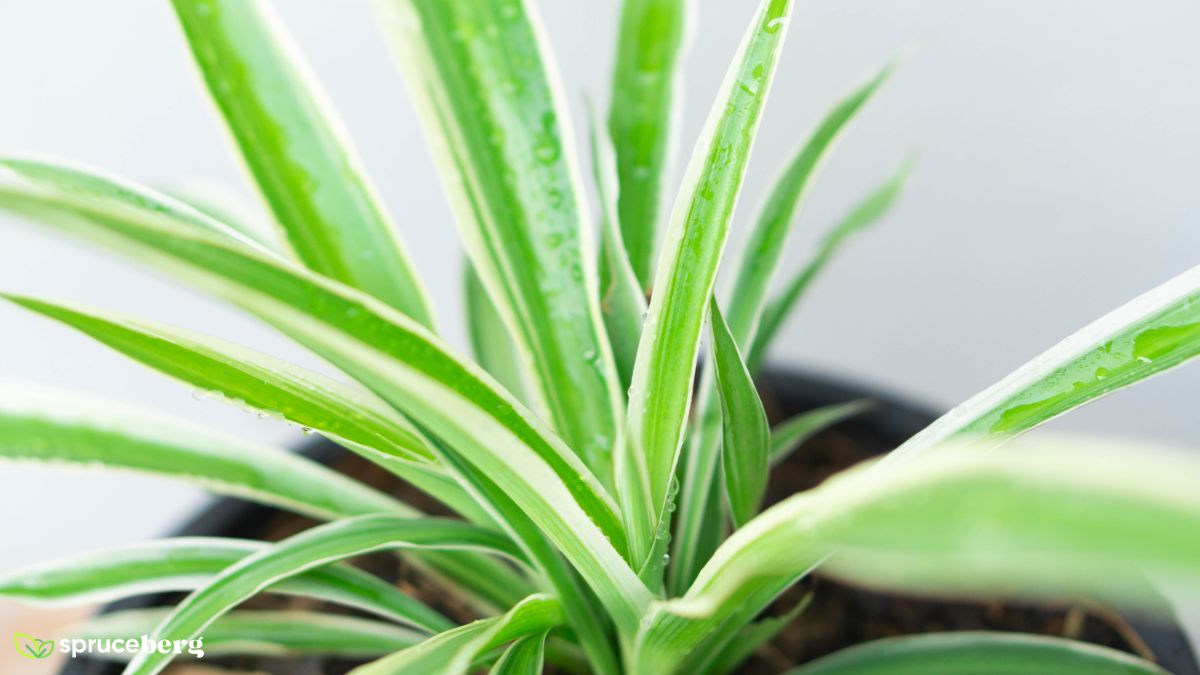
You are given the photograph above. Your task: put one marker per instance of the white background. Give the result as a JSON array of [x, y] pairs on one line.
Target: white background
[[1056, 178]]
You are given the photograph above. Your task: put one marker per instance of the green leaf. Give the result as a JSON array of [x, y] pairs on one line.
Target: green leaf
[[978, 653], [788, 436], [186, 563], [490, 340], [868, 212], [297, 152], [717, 636], [224, 370], [746, 434], [1046, 519], [490, 103], [113, 192], [220, 203], [295, 555], [454, 652], [406, 365], [43, 425], [523, 657], [480, 582], [753, 272], [762, 251], [745, 642], [1147, 336], [661, 389], [701, 521], [1042, 521], [622, 300], [643, 119], [350, 415], [263, 633], [584, 614]]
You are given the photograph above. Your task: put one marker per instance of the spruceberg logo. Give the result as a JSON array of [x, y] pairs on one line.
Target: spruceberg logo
[[36, 648], [31, 647]]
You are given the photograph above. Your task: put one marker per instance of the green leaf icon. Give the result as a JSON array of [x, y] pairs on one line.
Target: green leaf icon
[[31, 647]]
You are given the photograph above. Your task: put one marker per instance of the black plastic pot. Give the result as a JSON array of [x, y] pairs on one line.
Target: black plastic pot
[[892, 420]]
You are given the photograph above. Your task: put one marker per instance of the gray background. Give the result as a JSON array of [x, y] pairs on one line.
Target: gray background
[[1056, 179]]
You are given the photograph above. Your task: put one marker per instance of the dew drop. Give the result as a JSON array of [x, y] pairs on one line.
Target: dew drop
[[662, 532], [546, 151]]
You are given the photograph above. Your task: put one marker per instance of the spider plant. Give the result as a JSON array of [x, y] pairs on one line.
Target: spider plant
[[609, 508]]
